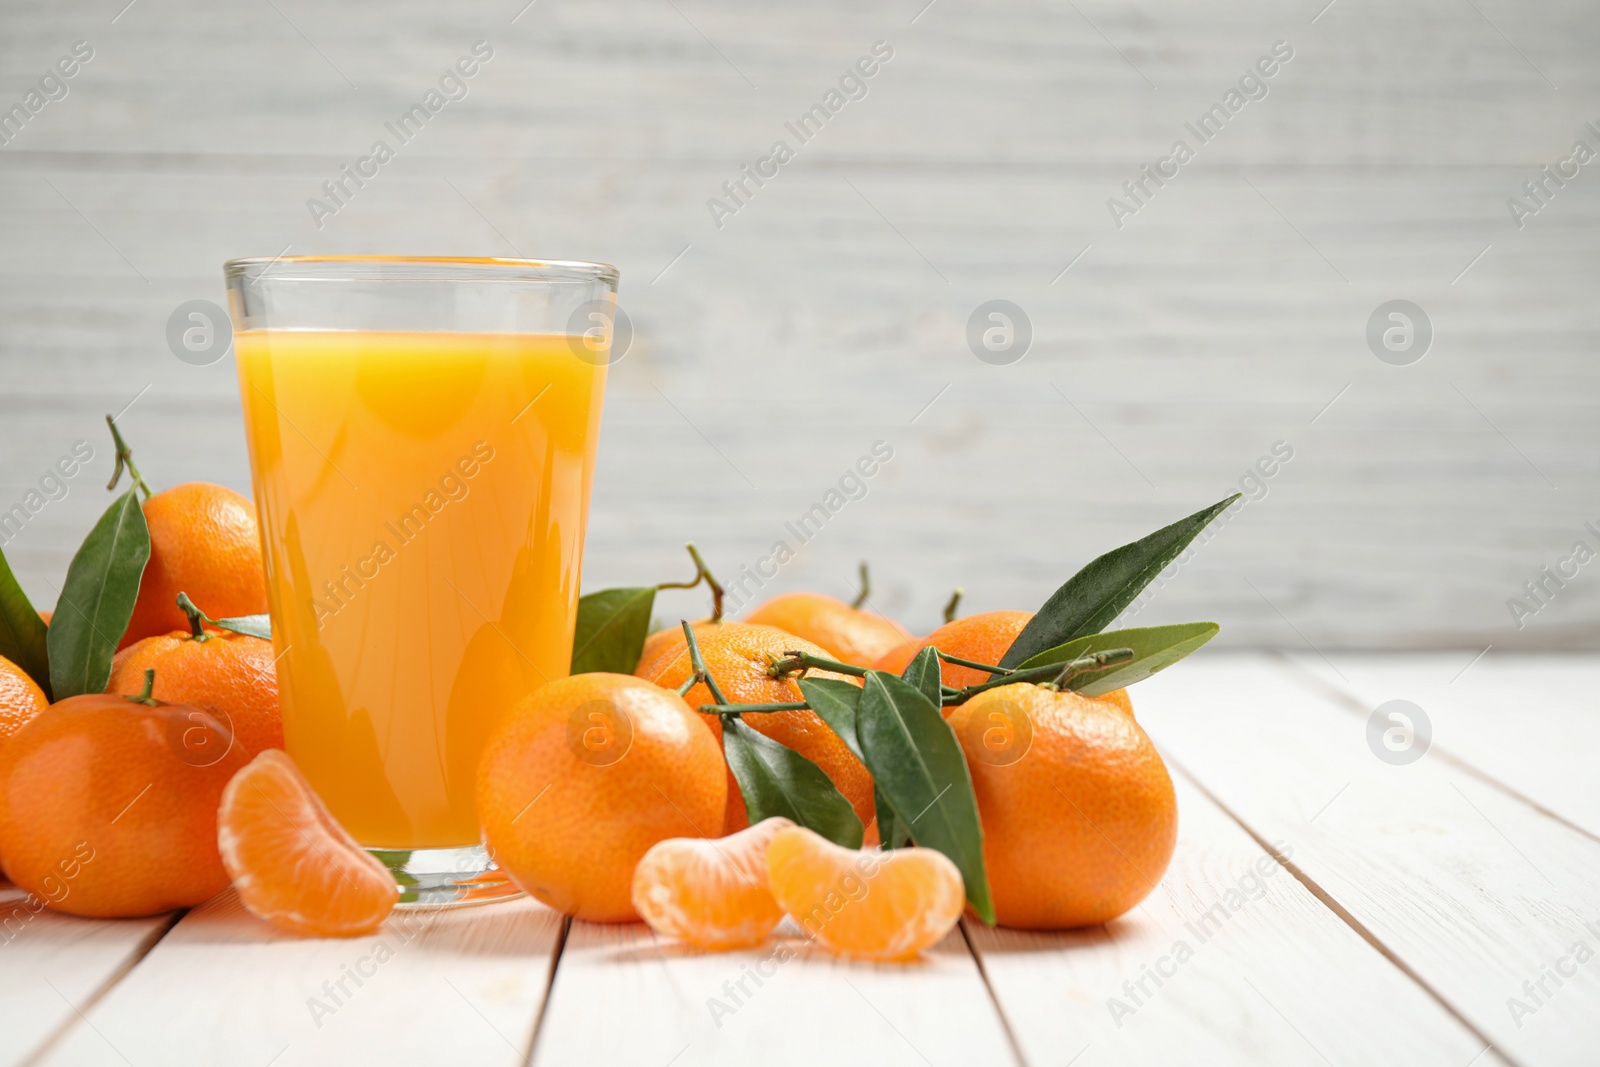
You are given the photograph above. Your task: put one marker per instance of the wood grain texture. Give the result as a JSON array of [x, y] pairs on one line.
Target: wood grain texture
[[622, 995], [831, 310], [1230, 960], [1526, 721], [53, 965], [225, 988], [1472, 890]]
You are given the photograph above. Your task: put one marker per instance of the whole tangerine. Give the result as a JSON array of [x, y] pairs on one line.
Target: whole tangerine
[[853, 636], [230, 675], [1078, 811], [204, 540], [108, 805], [581, 778], [20, 699]]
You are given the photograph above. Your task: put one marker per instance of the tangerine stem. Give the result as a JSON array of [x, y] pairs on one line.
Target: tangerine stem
[[739, 709], [124, 458], [800, 661], [197, 618], [699, 573], [1049, 672], [144, 696], [950, 606], [1056, 673], [1095, 661], [974, 664], [866, 587], [699, 663], [688, 684], [702, 571]]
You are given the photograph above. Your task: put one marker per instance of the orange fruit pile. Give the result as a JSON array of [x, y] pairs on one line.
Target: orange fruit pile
[[581, 778], [292, 864], [606, 796]]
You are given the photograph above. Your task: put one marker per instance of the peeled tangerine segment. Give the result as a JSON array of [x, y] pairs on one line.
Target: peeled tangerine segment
[[293, 865], [872, 905], [710, 892]]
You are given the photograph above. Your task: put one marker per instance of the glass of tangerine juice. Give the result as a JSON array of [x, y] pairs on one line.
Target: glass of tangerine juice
[[422, 437]]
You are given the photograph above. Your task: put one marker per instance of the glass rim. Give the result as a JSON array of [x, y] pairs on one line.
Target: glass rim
[[417, 269]]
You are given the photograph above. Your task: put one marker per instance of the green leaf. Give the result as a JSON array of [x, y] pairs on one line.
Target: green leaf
[[892, 833], [612, 626], [777, 780], [1096, 595], [924, 672], [1155, 648], [97, 599], [249, 625], [22, 632], [917, 762], [835, 701]]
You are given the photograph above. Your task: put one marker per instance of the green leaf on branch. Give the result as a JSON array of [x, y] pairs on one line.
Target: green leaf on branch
[[1096, 595], [250, 625], [777, 780], [612, 625], [22, 632], [917, 762], [923, 672], [835, 702], [1155, 648], [97, 599]]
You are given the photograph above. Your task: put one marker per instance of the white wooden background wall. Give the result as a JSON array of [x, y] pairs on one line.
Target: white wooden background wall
[[829, 312]]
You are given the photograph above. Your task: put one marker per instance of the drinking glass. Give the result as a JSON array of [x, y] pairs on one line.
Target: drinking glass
[[422, 437]]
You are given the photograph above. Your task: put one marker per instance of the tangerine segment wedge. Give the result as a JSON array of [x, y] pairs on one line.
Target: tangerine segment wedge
[[884, 906], [293, 865], [710, 892]]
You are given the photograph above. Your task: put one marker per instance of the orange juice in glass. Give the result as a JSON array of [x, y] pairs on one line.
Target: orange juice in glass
[[422, 437]]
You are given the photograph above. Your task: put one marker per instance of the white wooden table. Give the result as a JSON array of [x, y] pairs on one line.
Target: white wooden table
[[1359, 912]]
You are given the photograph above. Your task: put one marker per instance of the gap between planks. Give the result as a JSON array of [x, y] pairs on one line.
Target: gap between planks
[[1328, 901], [80, 1012], [549, 985], [1350, 701], [1430, 884], [994, 998]]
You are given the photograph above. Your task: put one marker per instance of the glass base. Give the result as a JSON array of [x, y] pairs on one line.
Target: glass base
[[446, 877]]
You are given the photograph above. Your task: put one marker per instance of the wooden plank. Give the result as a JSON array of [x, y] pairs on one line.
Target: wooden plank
[[51, 963], [1230, 960], [1490, 903], [1530, 722], [622, 995], [453, 986]]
